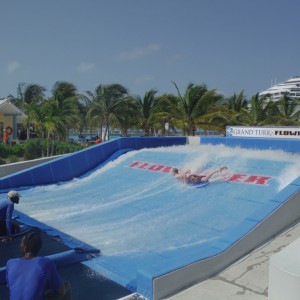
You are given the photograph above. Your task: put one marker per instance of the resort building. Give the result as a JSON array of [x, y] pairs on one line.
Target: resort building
[[10, 118]]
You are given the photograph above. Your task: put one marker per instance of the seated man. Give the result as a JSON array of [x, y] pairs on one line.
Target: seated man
[[34, 277], [7, 226], [187, 177]]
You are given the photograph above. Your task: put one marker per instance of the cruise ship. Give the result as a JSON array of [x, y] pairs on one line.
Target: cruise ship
[[291, 87]]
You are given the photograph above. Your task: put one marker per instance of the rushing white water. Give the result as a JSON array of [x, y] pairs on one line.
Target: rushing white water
[[123, 210]]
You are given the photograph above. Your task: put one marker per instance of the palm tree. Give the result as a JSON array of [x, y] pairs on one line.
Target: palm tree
[[236, 102], [256, 113], [83, 104], [17, 101], [216, 118], [227, 112], [53, 122], [28, 93], [129, 115], [107, 103], [30, 98], [63, 90], [195, 102], [284, 112], [147, 104], [66, 106], [166, 113], [34, 93], [94, 113]]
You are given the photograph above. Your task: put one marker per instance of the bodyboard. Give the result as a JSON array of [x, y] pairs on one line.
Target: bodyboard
[[199, 184]]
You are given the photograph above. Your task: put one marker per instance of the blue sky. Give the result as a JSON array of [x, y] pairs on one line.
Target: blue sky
[[230, 45]]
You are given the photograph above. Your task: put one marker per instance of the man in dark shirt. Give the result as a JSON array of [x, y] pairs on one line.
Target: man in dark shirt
[[7, 226]]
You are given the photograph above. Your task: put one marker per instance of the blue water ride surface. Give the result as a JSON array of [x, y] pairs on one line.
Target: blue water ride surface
[[145, 221], [148, 225]]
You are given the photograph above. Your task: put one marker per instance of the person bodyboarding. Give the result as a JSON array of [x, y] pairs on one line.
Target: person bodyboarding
[[195, 179]]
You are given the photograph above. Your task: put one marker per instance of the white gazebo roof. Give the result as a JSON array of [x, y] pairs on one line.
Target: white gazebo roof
[[8, 108]]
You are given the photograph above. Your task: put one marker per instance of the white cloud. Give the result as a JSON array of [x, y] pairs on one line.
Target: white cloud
[[138, 52], [85, 67], [13, 66]]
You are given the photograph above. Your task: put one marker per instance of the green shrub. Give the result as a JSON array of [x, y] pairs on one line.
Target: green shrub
[[66, 147], [37, 148], [17, 150], [34, 148], [13, 159], [4, 150]]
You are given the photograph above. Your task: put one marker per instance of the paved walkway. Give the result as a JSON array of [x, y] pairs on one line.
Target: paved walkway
[[247, 279]]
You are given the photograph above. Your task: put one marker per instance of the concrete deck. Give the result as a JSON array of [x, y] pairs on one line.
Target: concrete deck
[[247, 279]]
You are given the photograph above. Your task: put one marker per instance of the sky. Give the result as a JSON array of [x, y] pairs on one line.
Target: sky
[[229, 45]]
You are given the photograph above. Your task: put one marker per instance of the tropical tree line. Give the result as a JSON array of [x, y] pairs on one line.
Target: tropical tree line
[[111, 106]]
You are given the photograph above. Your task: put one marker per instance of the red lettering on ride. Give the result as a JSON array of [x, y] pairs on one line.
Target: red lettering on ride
[[254, 179], [150, 167], [139, 164], [239, 178]]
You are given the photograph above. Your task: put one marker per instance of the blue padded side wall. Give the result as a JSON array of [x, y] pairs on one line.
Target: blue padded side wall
[[76, 164]]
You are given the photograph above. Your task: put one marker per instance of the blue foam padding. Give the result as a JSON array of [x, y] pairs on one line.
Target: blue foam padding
[[286, 193], [77, 164], [114, 156], [69, 257], [296, 182], [145, 276], [238, 232], [265, 210]]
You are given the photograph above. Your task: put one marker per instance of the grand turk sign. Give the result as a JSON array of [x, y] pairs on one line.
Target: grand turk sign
[[263, 132]]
